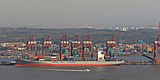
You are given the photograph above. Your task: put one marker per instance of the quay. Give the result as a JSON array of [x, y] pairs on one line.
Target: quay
[[141, 63], [8, 57], [8, 60], [6, 63]]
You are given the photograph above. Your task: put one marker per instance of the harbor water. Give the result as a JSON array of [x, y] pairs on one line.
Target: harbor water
[[124, 72]]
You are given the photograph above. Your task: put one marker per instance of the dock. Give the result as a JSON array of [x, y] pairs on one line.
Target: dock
[[8, 57], [7, 60], [6, 63], [141, 63]]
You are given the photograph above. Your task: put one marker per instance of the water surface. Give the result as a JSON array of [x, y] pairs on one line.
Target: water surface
[[124, 72]]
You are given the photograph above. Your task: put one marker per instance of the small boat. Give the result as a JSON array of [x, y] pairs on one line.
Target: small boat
[[74, 70]]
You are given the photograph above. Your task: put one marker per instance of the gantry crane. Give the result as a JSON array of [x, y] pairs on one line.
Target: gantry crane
[[64, 44], [75, 43], [31, 43], [156, 46], [111, 44], [87, 43], [47, 44]]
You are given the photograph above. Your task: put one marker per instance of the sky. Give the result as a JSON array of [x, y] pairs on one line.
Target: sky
[[64, 12]]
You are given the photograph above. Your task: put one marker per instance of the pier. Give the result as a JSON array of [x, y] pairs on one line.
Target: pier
[[8, 57], [141, 63], [7, 63], [8, 60], [148, 56]]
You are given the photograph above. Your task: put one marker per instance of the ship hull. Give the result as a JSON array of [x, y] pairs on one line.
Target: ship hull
[[68, 63]]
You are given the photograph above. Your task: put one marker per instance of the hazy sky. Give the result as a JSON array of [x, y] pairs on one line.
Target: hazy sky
[[59, 12]]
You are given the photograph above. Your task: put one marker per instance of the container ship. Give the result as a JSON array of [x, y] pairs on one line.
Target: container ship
[[104, 57], [42, 63]]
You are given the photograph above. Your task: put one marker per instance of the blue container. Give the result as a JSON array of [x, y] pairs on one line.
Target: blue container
[[71, 59], [107, 59]]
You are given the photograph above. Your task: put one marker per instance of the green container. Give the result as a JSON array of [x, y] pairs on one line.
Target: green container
[[57, 58], [66, 51], [112, 50], [120, 53], [47, 58], [75, 53], [26, 57], [87, 49]]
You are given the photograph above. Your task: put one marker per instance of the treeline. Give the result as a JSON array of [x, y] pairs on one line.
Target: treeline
[[98, 35]]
